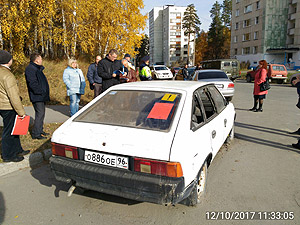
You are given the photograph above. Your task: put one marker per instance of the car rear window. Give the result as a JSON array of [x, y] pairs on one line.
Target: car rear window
[[209, 75], [234, 64], [138, 109], [160, 68], [278, 68]]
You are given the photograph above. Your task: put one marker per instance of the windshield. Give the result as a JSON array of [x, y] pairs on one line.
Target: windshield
[[210, 75], [141, 109], [160, 68]]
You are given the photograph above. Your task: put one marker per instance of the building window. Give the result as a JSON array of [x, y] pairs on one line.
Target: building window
[[255, 36], [258, 5], [255, 49], [235, 51], [256, 20], [185, 52], [237, 12], [248, 9], [235, 39], [247, 23], [236, 26], [246, 37], [237, 1], [246, 51]]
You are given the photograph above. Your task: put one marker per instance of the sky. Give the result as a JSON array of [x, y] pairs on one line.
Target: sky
[[202, 6]]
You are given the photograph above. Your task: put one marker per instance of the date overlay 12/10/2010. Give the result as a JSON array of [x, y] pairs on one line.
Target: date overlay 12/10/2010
[[249, 215]]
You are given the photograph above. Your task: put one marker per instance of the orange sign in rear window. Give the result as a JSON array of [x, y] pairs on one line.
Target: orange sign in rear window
[[160, 111]]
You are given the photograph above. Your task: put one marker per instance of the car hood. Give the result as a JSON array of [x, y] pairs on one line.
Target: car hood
[[115, 139]]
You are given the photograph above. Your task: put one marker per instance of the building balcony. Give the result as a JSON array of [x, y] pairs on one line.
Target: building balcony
[[291, 31], [292, 16]]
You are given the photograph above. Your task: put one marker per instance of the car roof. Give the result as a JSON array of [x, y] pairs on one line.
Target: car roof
[[170, 85], [210, 71]]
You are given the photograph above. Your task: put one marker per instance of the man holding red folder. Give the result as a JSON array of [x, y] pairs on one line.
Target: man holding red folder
[[10, 106]]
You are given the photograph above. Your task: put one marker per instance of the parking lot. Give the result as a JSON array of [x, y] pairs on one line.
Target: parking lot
[[258, 172]]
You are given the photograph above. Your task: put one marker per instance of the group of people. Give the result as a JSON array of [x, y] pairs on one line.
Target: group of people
[[102, 74]]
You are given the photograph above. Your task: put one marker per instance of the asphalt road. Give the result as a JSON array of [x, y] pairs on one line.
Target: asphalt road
[[258, 172]]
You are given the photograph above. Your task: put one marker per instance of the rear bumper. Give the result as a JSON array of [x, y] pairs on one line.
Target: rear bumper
[[119, 182]]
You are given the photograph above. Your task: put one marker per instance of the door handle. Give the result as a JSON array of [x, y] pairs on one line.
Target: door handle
[[213, 134], [225, 122]]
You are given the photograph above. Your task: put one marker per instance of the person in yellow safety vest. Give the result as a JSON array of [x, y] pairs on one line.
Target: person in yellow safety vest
[[145, 72]]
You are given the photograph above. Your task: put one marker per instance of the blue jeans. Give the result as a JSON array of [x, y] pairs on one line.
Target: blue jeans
[[74, 103]]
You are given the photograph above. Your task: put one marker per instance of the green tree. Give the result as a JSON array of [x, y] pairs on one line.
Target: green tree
[[143, 50], [191, 25], [215, 34], [226, 12]]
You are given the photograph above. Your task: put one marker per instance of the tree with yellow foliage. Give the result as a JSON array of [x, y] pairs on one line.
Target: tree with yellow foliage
[[65, 28]]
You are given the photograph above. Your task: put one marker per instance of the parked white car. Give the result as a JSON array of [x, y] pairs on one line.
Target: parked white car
[[161, 72], [219, 78], [147, 141]]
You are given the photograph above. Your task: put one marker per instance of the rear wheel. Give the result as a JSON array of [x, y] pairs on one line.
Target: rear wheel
[[229, 98], [200, 187], [279, 81], [248, 78]]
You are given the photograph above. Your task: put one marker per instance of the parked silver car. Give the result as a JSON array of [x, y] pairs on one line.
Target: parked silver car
[[219, 78]]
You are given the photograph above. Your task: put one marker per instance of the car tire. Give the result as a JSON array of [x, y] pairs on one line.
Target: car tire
[[294, 78], [199, 190], [280, 81], [248, 78], [230, 137], [229, 98]]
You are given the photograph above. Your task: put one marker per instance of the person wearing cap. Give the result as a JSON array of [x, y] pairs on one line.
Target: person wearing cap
[[38, 89], [10, 106], [94, 79], [145, 72]]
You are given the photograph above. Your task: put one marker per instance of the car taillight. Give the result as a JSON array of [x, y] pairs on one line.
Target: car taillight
[[169, 169], [240, 72], [231, 85], [64, 150]]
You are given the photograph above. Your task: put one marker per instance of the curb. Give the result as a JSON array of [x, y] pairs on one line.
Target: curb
[[31, 160]]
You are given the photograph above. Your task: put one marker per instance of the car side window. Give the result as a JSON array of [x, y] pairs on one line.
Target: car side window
[[218, 99], [207, 102], [197, 116]]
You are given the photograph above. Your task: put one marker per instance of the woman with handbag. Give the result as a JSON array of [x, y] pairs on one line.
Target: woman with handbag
[[260, 78]]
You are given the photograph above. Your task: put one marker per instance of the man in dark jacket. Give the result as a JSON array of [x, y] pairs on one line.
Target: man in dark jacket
[[106, 69], [185, 73], [38, 89], [93, 77]]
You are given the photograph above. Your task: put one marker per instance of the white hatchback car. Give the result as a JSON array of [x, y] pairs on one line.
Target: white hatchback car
[[147, 141], [161, 72]]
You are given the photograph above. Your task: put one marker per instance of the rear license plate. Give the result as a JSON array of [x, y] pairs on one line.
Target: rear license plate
[[106, 159], [278, 75]]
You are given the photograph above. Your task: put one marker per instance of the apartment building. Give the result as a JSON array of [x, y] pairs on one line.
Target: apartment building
[[266, 29], [167, 43]]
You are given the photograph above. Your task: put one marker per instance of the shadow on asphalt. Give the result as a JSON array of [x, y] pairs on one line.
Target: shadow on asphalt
[[2, 208], [63, 109], [44, 175], [264, 129], [266, 142]]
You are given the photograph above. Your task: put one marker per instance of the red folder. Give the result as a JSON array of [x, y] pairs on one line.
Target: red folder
[[21, 125]]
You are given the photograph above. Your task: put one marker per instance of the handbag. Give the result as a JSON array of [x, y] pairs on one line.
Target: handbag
[[264, 86]]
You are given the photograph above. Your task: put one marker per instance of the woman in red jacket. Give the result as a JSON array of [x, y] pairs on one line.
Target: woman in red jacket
[[260, 77]]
